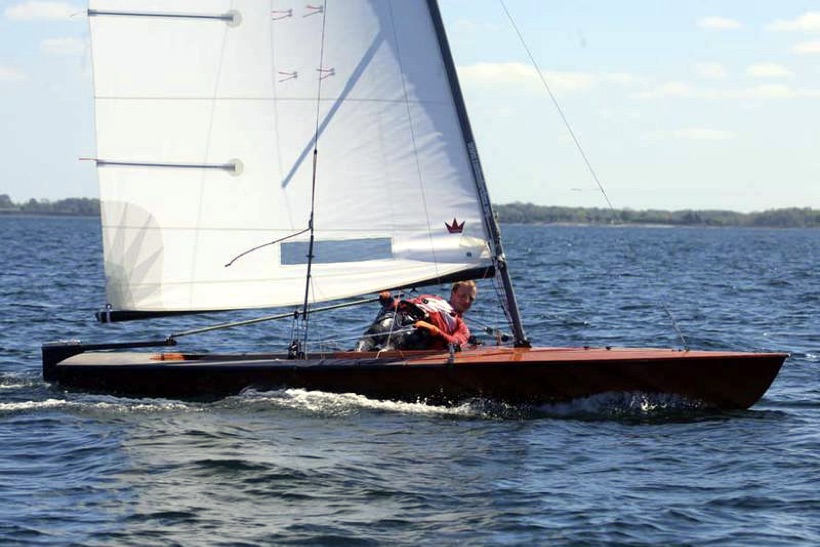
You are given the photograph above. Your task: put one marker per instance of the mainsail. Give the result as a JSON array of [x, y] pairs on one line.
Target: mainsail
[[207, 115]]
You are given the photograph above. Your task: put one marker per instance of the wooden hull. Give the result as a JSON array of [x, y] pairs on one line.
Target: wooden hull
[[534, 376]]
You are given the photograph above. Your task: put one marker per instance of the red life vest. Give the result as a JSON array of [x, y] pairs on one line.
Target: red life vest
[[442, 315]]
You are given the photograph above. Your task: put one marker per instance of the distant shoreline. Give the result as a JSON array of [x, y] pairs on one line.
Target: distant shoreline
[[519, 213], [17, 214], [527, 213], [80, 207]]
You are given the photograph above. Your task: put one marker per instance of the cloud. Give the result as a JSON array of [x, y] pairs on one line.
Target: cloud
[[35, 9], [768, 91], [466, 25], [768, 70], [525, 76], [675, 90], [807, 48], [499, 72], [719, 23], [623, 78], [8, 74], [63, 46], [692, 134], [810, 93], [680, 90], [712, 71], [520, 74], [808, 22]]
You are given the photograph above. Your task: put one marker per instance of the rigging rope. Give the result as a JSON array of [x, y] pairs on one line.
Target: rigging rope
[[281, 239], [311, 226], [270, 318], [558, 107], [581, 151]]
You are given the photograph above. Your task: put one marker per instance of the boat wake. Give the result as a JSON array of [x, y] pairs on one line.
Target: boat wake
[[111, 405], [21, 406], [606, 407], [632, 406], [19, 381], [342, 404], [641, 407]]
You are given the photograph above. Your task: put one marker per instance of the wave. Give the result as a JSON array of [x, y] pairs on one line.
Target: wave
[[340, 404], [605, 407], [111, 405]]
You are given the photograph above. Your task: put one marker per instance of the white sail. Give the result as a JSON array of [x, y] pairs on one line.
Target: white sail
[[206, 113]]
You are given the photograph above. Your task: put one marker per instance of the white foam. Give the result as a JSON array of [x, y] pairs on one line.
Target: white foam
[[31, 405], [347, 403], [114, 405], [117, 404]]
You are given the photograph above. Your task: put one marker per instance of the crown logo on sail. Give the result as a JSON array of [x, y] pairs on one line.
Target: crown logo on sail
[[455, 227]]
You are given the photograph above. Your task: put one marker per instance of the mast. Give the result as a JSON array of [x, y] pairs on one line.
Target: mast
[[490, 223]]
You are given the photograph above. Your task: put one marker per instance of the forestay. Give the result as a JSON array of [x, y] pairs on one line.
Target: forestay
[[206, 116]]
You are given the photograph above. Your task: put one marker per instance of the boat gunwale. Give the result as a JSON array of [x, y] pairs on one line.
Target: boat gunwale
[[469, 357]]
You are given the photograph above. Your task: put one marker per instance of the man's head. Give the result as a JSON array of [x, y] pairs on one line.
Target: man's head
[[463, 295]]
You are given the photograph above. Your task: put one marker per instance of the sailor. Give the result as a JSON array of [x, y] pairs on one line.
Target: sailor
[[438, 322]]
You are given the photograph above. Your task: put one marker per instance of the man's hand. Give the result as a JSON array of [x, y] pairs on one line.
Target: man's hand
[[432, 329]]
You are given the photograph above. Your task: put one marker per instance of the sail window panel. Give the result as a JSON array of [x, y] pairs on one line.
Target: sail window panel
[[181, 57], [337, 251]]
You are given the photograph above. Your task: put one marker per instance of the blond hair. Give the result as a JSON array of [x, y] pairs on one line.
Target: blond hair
[[469, 283]]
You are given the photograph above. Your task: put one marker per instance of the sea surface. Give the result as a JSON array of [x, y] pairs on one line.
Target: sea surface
[[306, 468]]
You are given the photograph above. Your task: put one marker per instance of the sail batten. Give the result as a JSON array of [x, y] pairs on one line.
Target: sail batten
[[201, 139], [232, 167], [229, 17]]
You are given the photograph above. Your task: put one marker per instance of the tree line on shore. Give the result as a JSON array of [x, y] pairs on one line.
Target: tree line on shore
[[87, 207], [527, 213], [521, 213]]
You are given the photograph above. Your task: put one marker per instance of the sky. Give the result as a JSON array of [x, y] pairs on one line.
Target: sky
[[663, 104]]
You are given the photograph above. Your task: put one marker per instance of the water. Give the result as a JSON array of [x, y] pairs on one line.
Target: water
[[295, 467]]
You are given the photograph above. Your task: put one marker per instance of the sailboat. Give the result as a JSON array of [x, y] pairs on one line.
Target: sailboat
[[256, 155]]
